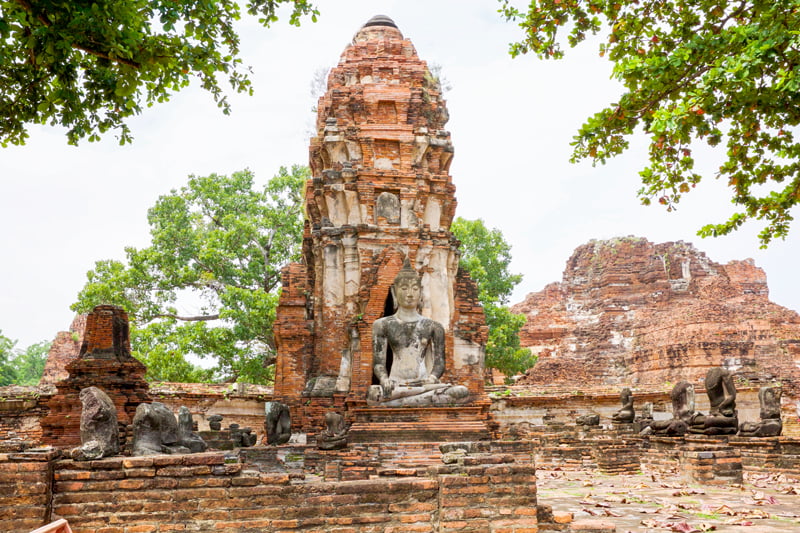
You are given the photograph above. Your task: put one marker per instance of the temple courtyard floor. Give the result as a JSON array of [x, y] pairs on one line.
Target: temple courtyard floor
[[646, 503]]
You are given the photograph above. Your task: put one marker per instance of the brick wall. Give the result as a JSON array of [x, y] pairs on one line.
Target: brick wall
[[21, 408], [778, 455], [25, 490], [217, 492], [242, 404]]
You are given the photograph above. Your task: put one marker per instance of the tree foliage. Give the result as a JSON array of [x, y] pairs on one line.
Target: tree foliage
[[21, 367], [486, 256], [723, 72], [89, 66], [218, 244], [7, 372], [29, 363]]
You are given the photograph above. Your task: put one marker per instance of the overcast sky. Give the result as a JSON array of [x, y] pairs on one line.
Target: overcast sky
[[62, 207]]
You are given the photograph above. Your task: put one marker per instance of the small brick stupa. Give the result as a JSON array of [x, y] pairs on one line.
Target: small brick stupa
[[380, 194], [105, 362]]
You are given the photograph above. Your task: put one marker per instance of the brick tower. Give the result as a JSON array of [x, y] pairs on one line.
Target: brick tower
[[380, 193]]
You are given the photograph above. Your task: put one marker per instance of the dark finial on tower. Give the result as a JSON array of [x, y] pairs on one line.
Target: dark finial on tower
[[380, 20]]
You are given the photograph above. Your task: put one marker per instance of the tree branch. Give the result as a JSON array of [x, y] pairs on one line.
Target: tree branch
[[199, 318], [24, 4]]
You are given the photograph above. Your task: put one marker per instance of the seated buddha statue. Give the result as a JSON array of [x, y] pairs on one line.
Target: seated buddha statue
[[682, 396], [626, 414], [722, 417], [417, 344], [770, 424]]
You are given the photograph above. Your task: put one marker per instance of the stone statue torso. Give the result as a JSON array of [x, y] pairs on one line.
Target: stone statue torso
[[413, 347]]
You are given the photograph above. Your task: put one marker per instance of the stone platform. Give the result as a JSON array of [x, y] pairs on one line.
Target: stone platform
[[275, 489], [420, 424]]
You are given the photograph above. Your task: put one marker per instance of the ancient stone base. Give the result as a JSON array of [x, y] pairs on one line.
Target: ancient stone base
[[706, 460], [713, 467], [617, 456], [419, 424], [777, 455], [272, 490], [217, 440]]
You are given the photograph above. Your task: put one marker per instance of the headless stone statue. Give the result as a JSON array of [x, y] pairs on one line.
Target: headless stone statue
[[588, 420], [682, 411], [770, 424], [722, 417], [242, 437], [626, 414], [99, 429], [334, 436], [155, 430], [417, 345], [187, 437], [278, 424]]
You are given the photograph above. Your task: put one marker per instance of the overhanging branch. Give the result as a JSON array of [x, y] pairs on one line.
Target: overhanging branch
[[198, 318], [41, 17]]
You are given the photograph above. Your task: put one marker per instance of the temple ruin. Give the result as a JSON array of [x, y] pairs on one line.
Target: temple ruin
[[654, 360], [380, 193]]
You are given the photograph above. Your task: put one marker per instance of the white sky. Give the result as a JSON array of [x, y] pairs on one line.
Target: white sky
[[62, 208]]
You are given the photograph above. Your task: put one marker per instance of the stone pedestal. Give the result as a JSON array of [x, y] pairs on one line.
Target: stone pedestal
[[421, 424]]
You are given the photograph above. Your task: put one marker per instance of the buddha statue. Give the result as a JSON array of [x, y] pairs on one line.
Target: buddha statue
[[722, 417], [770, 424], [626, 414], [417, 348], [334, 436], [682, 412]]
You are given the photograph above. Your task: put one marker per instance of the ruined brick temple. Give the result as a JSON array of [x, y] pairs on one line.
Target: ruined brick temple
[[380, 193], [627, 313]]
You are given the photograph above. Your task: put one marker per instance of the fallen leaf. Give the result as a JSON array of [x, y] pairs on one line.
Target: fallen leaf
[[722, 509], [683, 527]]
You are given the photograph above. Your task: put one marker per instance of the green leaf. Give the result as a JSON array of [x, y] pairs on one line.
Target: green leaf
[[724, 73]]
